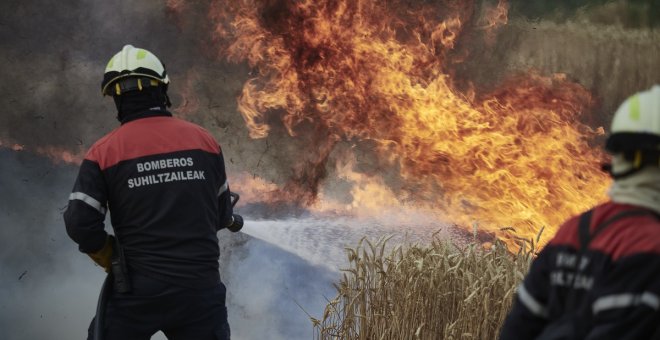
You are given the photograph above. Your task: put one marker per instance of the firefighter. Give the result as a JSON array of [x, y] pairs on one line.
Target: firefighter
[[599, 277], [163, 181]]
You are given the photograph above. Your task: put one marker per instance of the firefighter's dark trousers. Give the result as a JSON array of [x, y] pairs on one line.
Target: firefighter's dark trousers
[[152, 306]]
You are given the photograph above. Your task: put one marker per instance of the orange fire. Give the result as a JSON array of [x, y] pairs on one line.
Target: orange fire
[[58, 155], [11, 145], [495, 18], [370, 71], [55, 154]]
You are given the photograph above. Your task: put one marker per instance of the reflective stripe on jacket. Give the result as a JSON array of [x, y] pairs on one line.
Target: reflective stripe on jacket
[[615, 293], [163, 180]]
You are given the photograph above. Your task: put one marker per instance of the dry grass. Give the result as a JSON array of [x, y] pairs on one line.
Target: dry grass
[[439, 291], [596, 47]]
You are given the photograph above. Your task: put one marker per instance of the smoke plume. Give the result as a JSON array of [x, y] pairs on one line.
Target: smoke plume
[[52, 57]]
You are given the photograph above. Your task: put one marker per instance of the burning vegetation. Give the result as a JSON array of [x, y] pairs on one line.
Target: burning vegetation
[[385, 78], [382, 73], [390, 96]]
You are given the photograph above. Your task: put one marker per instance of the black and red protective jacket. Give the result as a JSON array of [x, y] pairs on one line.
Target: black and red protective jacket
[[164, 182], [616, 291]]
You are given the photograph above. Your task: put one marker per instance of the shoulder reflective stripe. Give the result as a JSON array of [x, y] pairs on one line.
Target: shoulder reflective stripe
[[223, 188], [531, 303], [625, 300], [91, 201]]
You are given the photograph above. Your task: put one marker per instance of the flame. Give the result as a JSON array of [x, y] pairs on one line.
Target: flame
[[378, 72], [61, 155], [251, 187], [495, 18], [175, 5], [55, 154], [173, 9], [369, 194], [11, 145]]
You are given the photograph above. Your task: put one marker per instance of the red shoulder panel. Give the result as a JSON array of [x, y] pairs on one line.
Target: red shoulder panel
[[628, 236], [567, 234], [150, 136]]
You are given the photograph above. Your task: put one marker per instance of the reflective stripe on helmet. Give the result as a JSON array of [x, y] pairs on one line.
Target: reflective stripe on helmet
[[635, 111]]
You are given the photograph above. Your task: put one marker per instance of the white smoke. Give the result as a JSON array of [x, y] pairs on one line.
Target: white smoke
[[50, 290], [275, 271]]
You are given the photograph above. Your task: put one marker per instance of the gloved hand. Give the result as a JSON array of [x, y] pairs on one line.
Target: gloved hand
[[103, 257], [236, 223]]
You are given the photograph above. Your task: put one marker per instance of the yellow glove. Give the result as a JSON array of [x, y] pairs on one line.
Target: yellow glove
[[103, 257]]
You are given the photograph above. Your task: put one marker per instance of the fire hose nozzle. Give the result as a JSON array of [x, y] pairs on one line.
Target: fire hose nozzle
[[236, 224]]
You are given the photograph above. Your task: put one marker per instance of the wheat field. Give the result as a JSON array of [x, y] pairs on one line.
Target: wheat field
[[435, 291]]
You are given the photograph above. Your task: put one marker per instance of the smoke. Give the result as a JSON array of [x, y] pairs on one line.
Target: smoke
[[52, 59], [314, 76], [611, 61], [49, 289], [275, 276], [52, 55]]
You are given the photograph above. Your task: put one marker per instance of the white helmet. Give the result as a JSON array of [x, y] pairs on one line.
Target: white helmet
[[133, 69], [635, 131]]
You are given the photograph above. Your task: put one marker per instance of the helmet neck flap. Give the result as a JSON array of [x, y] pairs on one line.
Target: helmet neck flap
[[134, 103]]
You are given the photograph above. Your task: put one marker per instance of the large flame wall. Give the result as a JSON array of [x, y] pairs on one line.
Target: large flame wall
[[427, 95], [381, 72]]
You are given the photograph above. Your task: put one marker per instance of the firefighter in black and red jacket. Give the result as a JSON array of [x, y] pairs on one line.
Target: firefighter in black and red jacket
[[163, 181], [599, 277]]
